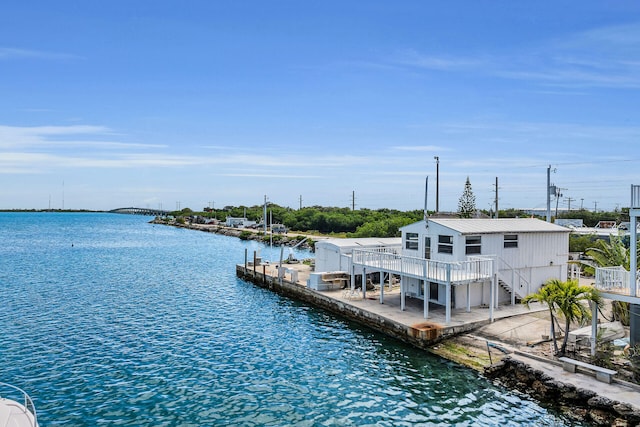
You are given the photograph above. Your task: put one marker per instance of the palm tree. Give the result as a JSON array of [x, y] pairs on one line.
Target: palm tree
[[613, 253], [546, 295], [567, 299], [570, 301], [610, 253]]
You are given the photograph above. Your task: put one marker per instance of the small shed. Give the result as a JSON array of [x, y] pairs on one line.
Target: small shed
[[335, 254]]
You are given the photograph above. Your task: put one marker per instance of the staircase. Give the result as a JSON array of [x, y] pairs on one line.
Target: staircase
[[507, 287], [509, 277]]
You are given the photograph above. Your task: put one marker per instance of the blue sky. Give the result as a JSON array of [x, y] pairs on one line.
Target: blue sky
[[199, 103]]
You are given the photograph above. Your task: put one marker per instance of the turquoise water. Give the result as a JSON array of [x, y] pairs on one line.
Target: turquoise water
[[108, 320]]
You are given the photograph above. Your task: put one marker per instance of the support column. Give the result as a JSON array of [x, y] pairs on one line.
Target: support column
[[381, 287], [634, 309], [402, 293], [364, 282], [468, 297], [353, 278], [494, 279], [633, 250], [594, 327], [448, 296], [425, 291], [426, 300]]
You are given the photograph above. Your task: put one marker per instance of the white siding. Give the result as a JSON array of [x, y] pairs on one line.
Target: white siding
[[541, 254]]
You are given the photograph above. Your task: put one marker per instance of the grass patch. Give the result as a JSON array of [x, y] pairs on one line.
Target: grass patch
[[463, 354]]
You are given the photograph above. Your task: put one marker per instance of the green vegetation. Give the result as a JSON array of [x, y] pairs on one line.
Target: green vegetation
[[611, 253], [590, 219], [467, 202], [344, 222], [566, 299], [339, 222], [581, 242]]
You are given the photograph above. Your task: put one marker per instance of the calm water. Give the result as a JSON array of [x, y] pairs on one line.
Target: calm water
[[108, 320]]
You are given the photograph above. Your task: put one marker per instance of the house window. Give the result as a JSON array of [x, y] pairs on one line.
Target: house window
[[427, 248], [510, 240], [474, 245], [445, 244], [412, 241]]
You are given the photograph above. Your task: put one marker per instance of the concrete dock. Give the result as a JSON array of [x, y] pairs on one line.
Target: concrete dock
[[408, 325]]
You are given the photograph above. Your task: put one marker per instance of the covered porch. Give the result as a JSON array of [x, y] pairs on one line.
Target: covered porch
[[461, 273]]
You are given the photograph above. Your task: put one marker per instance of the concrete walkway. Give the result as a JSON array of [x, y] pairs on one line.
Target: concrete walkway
[[625, 393]]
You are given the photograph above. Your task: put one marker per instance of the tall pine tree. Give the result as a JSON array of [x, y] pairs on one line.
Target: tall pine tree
[[467, 202]]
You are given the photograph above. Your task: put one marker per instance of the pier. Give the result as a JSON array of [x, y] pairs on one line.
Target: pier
[[408, 325]]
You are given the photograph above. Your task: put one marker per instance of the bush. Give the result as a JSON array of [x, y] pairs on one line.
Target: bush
[[244, 235]]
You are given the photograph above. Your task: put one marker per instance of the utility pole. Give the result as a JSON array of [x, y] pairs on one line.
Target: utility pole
[[558, 195], [496, 197], [549, 194], [353, 200], [595, 206], [437, 159], [264, 215], [569, 200]]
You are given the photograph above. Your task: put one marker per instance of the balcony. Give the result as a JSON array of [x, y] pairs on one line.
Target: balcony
[[457, 273], [616, 281]]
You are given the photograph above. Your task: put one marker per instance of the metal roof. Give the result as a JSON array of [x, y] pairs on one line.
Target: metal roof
[[362, 242], [501, 225]]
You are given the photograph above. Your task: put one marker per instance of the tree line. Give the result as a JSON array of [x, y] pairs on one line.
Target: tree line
[[363, 222]]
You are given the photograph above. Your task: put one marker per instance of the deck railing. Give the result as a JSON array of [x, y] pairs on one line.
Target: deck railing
[[635, 196], [435, 271], [614, 279]]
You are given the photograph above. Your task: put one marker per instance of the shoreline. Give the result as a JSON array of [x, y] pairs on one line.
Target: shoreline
[[467, 347]]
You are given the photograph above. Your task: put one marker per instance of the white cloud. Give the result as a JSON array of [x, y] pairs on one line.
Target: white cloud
[[427, 148], [600, 57], [413, 58], [8, 53]]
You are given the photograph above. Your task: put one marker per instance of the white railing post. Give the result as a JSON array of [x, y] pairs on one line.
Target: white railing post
[[448, 296], [364, 282], [382, 286], [513, 287], [633, 250]]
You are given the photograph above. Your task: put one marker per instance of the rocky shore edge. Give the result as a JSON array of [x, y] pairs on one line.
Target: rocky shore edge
[[575, 403], [293, 239]]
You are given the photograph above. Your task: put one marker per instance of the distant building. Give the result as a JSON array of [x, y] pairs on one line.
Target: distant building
[[238, 222]]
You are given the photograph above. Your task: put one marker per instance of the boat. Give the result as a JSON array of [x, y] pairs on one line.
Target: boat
[[20, 412]]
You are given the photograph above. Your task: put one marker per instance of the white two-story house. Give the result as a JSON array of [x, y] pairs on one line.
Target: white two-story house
[[462, 263], [526, 253]]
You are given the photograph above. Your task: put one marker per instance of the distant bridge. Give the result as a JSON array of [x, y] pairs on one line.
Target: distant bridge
[[140, 211]]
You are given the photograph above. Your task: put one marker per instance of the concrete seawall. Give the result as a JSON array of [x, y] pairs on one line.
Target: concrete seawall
[[420, 334]]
